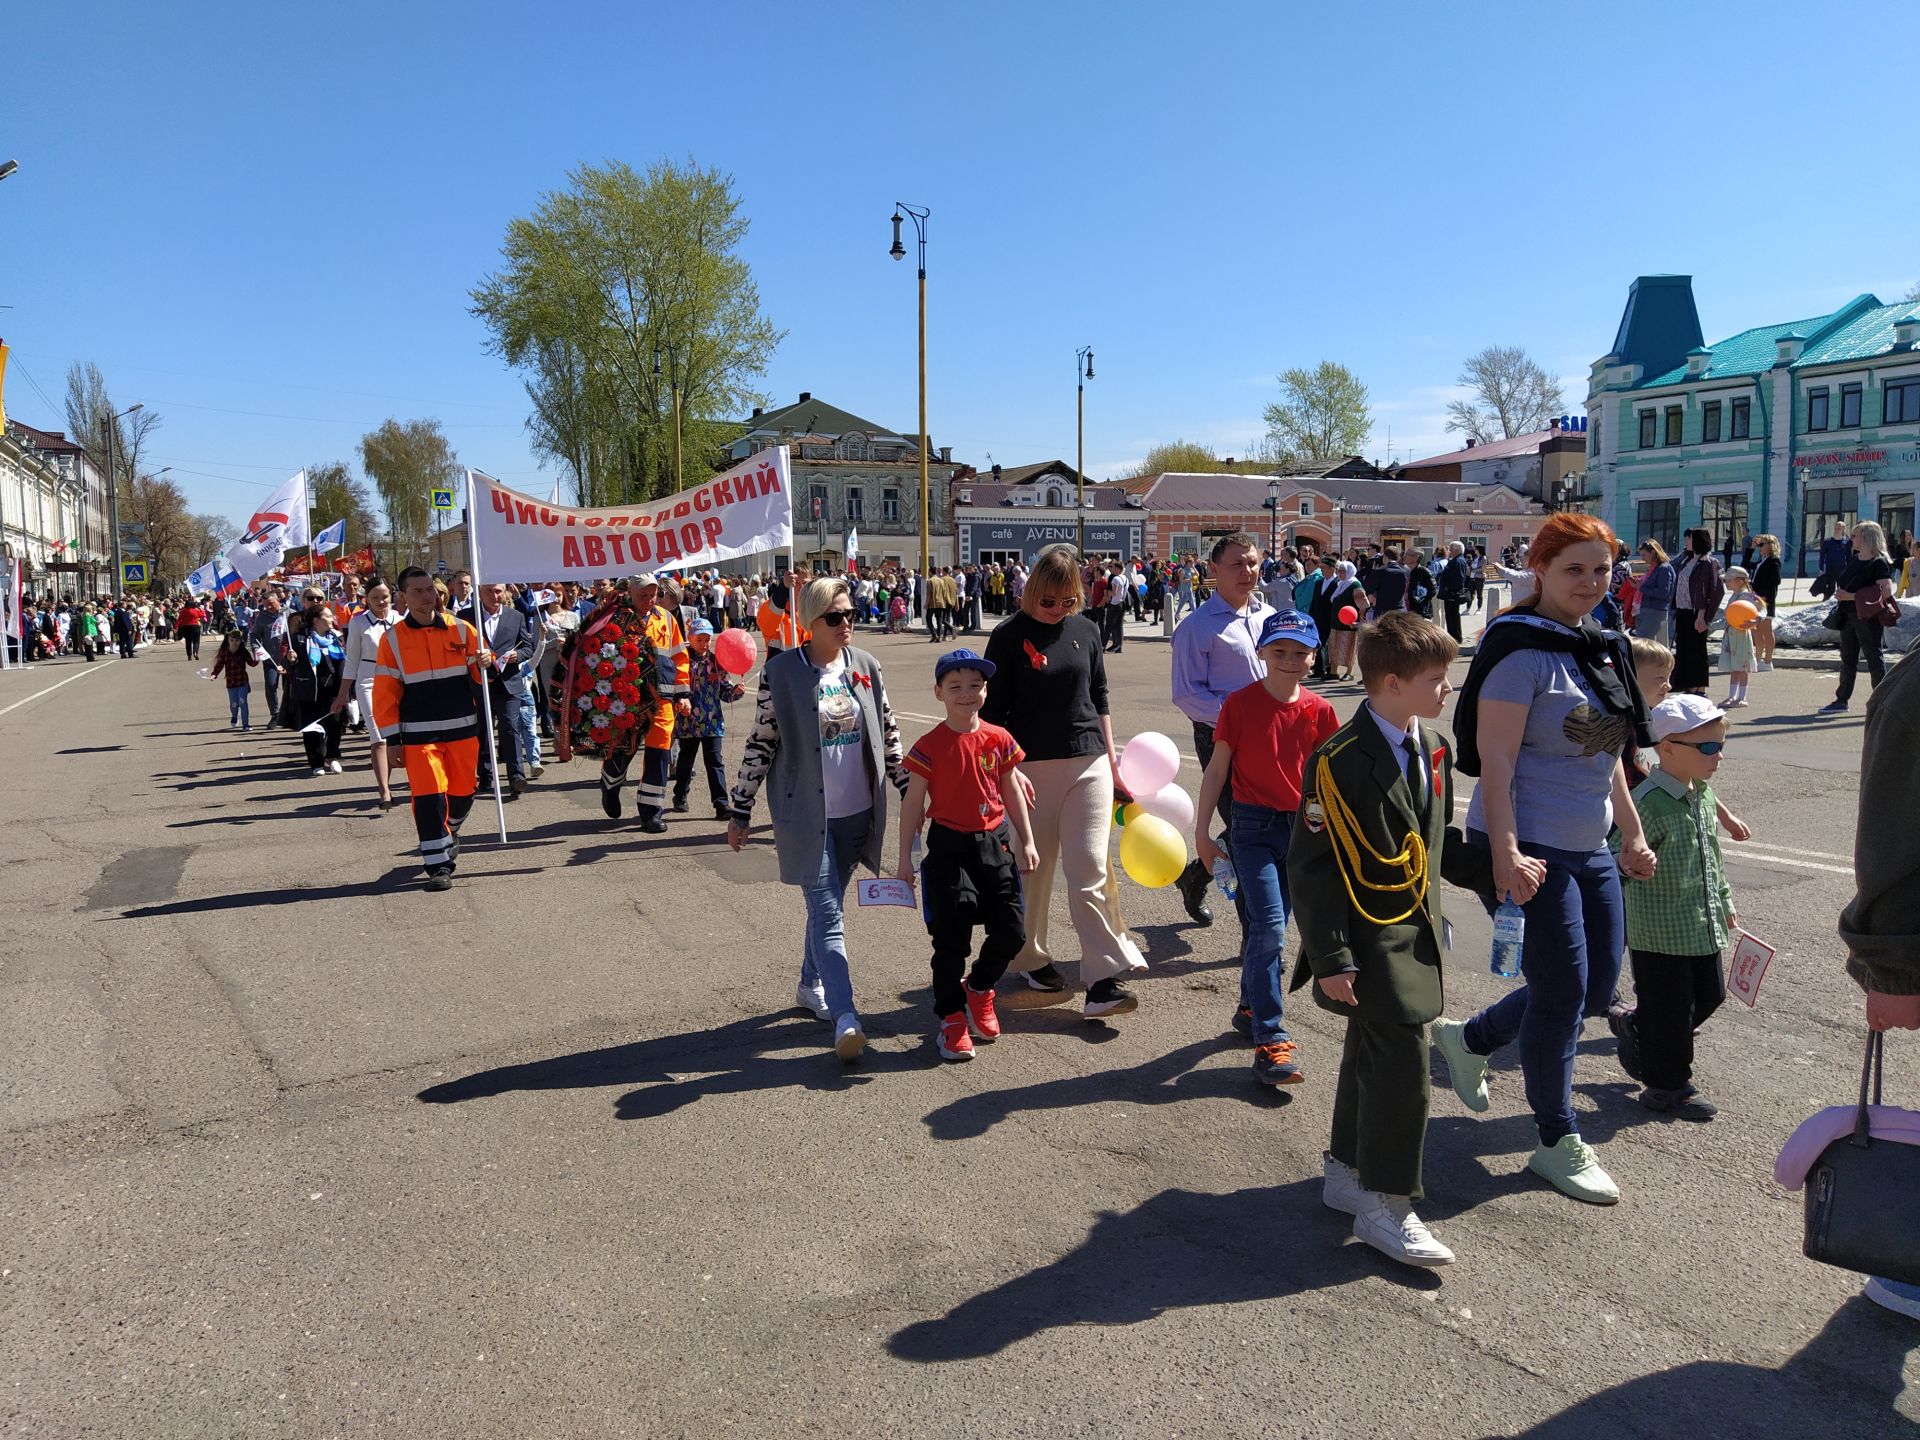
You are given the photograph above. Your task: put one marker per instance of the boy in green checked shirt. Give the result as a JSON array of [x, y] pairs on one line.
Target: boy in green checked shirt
[[1680, 921]]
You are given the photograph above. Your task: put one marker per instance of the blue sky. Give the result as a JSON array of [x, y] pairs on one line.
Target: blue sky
[[263, 220]]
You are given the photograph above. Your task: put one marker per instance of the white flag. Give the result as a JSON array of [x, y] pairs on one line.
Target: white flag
[[853, 544], [279, 525]]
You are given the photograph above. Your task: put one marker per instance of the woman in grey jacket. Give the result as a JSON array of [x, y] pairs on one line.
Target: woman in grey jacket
[[825, 744], [1656, 593]]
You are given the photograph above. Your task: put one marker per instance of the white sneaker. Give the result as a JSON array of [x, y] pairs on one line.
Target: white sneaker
[[1763, 665], [848, 1038], [1466, 1070], [317, 772], [536, 770], [814, 998], [1389, 1225], [333, 766], [1901, 1299], [1341, 1188]]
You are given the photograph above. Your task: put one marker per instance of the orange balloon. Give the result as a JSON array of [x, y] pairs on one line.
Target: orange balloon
[[1742, 613]]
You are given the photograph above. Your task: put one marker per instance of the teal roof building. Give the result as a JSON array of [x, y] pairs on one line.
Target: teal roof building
[[1785, 429]]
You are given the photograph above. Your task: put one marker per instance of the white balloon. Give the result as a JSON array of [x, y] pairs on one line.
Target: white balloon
[[1171, 804], [1149, 763]]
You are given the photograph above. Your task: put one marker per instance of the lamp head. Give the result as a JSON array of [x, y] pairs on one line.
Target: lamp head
[[899, 251], [7, 167], [1089, 362]]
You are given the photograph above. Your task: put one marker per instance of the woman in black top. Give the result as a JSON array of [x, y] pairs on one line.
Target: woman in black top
[[1696, 600], [1766, 585], [1049, 689], [313, 680], [1868, 574]]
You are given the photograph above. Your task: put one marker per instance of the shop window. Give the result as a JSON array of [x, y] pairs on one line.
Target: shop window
[[1740, 420], [1659, 520], [1896, 515], [1674, 422], [1710, 422], [1849, 407], [1902, 401], [1825, 507], [1649, 423], [1817, 409]]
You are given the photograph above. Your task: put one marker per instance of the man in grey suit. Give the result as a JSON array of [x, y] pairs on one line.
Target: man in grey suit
[[505, 631]]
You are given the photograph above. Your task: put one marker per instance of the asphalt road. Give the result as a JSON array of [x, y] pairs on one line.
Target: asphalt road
[[291, 1148]]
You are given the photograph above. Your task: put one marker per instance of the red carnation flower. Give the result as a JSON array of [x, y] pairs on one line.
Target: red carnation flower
[[624, 722], [604, 670], [600, 702], [630, 650]]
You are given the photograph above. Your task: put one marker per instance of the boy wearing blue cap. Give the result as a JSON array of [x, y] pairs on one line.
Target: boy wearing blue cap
[[703, 732], [1261, 742], [962, 776]]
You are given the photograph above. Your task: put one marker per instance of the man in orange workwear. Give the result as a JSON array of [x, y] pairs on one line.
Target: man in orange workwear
[[424, 683]]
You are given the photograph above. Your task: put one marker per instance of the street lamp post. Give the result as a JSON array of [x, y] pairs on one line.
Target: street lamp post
[[1273, 517], [1340, 509], [113, 496], [1081, 374], [899, 252]]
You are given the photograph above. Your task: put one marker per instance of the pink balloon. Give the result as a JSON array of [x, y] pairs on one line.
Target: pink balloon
[[1149, 763], [735, 651]]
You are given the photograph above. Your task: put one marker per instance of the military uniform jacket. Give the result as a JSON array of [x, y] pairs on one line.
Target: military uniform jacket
[[1396, 967]]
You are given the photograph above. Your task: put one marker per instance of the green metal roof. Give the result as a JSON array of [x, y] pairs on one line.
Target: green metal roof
[[1858, 330], [1751, 352], [815, 416], [1867, 335]]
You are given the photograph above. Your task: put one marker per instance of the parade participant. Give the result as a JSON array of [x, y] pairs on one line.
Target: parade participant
[[1654, 605], [313, 680], [267, 637], [965, 780], [190, 622], [364, 631], [1050, 691], [1548, 706], [1215, 652], [513, 641], [1680, 918], [775, 617], [558, 623], [826, 746], [1869, 578], [1344, 594], [703, 732], [627, 676], [1451, 584], [1261, 742], [231, 665], [427, 665], [1365, 869], [1182, 588]]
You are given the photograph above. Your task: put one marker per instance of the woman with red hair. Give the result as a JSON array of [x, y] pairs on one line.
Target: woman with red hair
[[1548, 707]]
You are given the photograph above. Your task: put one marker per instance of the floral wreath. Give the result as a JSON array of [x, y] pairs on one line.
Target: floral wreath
[[614, 681]]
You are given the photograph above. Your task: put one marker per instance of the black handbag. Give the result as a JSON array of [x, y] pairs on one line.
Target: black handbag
[[1834, 620], [1863, 1195]]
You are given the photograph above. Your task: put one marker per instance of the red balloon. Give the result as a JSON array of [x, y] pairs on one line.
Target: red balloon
[[735, 651], [1348, 615]]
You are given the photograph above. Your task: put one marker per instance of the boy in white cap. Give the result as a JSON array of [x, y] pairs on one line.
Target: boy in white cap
[[1680, 921]]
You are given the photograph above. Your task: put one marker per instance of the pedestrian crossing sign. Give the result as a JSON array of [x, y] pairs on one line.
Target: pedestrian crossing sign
[[443, 500], [133, 574]]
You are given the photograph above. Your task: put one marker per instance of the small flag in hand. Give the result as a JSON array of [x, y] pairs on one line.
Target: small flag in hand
[[331, 538]]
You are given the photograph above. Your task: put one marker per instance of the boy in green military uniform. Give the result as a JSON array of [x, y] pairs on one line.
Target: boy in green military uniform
[[1365, 870]]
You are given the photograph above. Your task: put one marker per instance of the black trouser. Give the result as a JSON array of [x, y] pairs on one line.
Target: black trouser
[[1692, 670], [126, 645], [693, 747], [1859, 637], [968, 879], [1453, 618], [1673, 995], [323, 745], [191, 635], [504, 746], [1380, 1105], [1223, 808], [650, 794], [1116, 618]]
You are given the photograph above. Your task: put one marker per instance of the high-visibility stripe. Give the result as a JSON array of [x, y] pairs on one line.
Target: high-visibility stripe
[[399, 675], [437, 727], [444, 672]]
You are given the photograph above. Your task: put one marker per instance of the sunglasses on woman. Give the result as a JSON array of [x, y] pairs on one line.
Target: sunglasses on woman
[[1705, 747], [1055, 602], [837, 617]]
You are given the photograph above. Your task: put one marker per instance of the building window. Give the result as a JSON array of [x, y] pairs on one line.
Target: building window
[[1896, 515], [1674, 414], [856, 504], [1725, 518], [1306, 508], [1825, 507], [1710, 422], [1649, 423], [1740, 420], [1659, 520], [1817, 409], [890, 506], [1849, 407], [1185, 544], [1902, 401], [854, 447]]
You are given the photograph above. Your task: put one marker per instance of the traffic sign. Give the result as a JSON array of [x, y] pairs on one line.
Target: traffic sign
[[133, 574], [443, 500]]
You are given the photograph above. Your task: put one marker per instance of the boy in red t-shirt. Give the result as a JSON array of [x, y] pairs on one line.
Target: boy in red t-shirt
[[962, 776], [1262, 739]]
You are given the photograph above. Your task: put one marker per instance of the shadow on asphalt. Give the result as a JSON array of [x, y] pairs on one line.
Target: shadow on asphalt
[[401, 877], [1179, 1249], [1844, 1381]]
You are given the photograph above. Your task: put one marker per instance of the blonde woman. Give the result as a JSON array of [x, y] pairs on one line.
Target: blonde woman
[[1050, 690], [1766, 589], [1866, 576], [356, 676]]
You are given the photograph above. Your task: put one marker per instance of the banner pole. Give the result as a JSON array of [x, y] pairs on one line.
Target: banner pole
[[486, 685]]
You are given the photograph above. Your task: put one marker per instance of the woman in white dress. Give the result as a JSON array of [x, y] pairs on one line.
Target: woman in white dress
[[356, 675]]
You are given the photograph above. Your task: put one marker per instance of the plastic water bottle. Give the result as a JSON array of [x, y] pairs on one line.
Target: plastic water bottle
[[1224, 877], [1509, 938]]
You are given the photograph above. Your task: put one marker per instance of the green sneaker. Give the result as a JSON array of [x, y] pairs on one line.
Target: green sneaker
[[1571, 1167], [1467, 1070]]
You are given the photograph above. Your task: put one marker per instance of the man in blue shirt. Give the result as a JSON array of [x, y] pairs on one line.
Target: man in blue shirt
[[1216, 652]]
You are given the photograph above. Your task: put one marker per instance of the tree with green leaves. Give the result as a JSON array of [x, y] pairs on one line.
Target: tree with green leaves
[[406, 462], [1322, 414], [1181, 457], [334, 494], [1512, 395], [618, 293]]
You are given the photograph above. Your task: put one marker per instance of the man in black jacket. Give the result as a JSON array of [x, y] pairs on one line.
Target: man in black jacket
[[1452, 584]]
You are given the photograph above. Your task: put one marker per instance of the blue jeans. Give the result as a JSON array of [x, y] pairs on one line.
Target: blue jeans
[[1260, 840], [1576, 928], [237, 706], [825, 962], [526, 733]]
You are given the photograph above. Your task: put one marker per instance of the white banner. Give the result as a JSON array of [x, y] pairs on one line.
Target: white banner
[[739, 512]]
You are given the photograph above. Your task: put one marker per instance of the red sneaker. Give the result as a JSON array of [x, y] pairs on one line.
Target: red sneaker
[[954, 1042], [981, 1019]]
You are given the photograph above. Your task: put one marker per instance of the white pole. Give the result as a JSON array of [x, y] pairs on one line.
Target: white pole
[[486, 685]]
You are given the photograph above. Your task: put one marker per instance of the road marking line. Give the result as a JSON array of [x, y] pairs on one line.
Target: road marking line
[[48, 691]]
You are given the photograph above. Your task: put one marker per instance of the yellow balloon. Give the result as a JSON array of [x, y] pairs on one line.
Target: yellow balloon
[[1131, 812], [1152, 852]]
